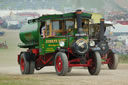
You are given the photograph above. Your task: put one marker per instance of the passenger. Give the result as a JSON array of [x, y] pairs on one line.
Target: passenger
[[41, 28], [43, 32], [85, 27]]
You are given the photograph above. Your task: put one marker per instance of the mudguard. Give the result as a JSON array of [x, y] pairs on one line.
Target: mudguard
[[61, 50], [28, 57]]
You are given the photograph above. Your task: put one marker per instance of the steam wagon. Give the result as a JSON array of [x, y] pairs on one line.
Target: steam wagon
[[97, 33], [60, 40]]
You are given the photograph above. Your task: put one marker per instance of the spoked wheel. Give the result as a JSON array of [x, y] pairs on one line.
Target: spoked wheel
[[26, 67], [94, 69], [61, 64], [113, 60]]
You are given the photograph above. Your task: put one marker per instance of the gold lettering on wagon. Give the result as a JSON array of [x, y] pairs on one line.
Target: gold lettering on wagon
[[49, 49], [55, 41]]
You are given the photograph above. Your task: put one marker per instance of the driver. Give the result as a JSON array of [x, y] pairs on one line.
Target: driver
[[85, 27]]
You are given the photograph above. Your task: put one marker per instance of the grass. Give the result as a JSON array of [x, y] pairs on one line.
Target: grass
[[17, 80], [39, 79]]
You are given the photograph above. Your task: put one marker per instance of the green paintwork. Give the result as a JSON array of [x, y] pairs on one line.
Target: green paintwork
[[28, 45], [53, 44], [30, 35], [49, 45]]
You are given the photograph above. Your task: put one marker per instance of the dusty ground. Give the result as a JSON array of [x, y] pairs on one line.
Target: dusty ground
[[78, 76], [10, 71]]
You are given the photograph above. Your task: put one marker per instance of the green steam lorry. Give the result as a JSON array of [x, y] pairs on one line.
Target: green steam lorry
[[60, 40]]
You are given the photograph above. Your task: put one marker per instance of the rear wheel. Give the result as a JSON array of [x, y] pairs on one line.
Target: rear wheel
[[113, 60], [61, 63], [94, 69], [32, 67], [26, 67]]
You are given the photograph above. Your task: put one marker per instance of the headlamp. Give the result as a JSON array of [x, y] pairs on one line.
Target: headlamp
[[61, 43], [92, 43]]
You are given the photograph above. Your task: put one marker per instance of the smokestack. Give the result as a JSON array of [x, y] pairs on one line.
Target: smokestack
[[102, 29], [79, 20]]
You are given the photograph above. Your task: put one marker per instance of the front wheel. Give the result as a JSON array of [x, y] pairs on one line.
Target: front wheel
[[113, 60], [95, 67], [69, 69], [61, 63]]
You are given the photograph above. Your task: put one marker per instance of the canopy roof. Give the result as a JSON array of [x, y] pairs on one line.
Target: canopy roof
[[98, 24], [59, 17]]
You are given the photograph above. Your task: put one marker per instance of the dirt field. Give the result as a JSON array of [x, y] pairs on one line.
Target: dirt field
[[10, 71], [78, 76]]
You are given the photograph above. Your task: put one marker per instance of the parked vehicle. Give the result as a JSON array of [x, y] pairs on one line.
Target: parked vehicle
[[3, 23], [2, 33], [14, 25]]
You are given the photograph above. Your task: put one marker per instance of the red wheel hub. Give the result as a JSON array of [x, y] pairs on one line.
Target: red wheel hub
[[59, 64], [22, 64], [93, 63]]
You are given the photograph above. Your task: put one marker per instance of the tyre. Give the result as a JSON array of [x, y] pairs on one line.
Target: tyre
[[69, 69], [26, 67], [61, 63], [113, 61], [32, 67], [24, 64], [95, 67]]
